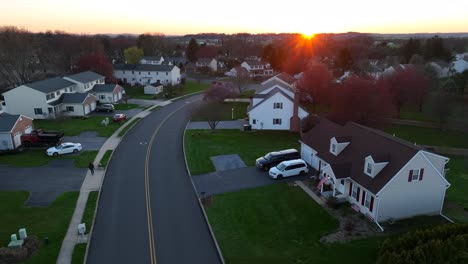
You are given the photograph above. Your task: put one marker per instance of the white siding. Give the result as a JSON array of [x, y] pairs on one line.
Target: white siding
[[22, 101], [78, 110], [402, 199], [6, 141], [146, 77], [108, 97], [309, 155], [438, 161], [362, 208]]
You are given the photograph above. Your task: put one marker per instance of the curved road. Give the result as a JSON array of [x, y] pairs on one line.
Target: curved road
[[141, 168]]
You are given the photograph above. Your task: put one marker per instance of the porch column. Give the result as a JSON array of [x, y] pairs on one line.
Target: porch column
[[334, 188]]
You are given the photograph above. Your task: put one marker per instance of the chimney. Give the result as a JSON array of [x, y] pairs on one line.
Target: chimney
[[295, 122]]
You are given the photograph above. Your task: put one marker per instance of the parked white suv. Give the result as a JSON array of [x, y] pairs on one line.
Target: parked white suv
[[289, 168]]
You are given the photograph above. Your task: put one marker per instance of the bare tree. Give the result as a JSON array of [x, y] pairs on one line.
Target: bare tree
[[209, 111], [17, 55]]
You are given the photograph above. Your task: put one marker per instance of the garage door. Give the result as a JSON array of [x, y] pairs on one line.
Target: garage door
[[87, 109], [120, 95], [17, 139], [93, 106]]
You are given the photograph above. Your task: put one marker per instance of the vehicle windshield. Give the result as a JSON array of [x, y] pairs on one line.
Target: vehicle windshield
[[268, 156], [59, 147], [281, 166]]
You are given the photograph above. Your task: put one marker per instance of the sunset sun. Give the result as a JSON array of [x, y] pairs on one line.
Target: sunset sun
[[308, 35]]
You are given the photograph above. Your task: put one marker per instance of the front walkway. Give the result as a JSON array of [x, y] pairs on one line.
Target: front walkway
[[234, 124], [91, 183]]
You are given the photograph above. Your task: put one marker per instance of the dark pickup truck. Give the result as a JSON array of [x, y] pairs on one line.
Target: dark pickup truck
[[40, 137]]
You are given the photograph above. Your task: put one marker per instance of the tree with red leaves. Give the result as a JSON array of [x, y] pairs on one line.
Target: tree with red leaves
[[361, 100], [97, 63], [316, 83], [218, 91], [408, 86]]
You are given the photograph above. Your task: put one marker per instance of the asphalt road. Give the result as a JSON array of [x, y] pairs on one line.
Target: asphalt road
[[180, 232]]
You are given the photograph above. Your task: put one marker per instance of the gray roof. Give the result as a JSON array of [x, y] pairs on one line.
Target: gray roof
[[104, 88], [272, 82], [143, 67], [50, 85], [269, 95], [152, 58], [7, 122], [73, 98], [85, 77]]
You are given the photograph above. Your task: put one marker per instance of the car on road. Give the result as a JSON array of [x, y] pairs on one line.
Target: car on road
[[274, 158], [64, 148], [289, 168], [119, 118], [105, 108]]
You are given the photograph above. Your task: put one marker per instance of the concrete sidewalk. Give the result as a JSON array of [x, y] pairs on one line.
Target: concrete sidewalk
[[91, 183]]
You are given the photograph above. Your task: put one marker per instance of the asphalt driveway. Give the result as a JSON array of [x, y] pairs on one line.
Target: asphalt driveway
[[44, 183], [236, 180], [89, 140]]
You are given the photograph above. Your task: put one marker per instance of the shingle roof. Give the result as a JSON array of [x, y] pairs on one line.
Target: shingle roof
[[272, 82], [104, 88], [143, 67], [365, 141], [73, 98], [7, 122], [152, 58], [255, 62], [85, 77], [286, 78], [50, 85]]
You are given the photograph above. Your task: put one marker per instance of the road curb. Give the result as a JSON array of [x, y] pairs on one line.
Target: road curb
[[220, 254]]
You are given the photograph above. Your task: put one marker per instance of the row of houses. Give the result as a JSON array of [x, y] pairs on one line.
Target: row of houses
[[72, 95], [145, 74]]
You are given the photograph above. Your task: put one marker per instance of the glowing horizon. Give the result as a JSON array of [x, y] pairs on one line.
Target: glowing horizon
[[208, 16]]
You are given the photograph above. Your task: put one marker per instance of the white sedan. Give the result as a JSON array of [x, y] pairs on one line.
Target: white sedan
[[64, 148]]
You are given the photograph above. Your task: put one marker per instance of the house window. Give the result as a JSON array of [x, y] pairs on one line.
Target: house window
[[333, 148], [38, 111], [276, 121], [254, 121], [70, 109], [102, 97], [123, 72], [354, 193], [277, 105], [367, 200], [139, 73], [167, 73], [58, 93], [415, 175], [149, 73], [48, 97], [369, 168], [133, 72]]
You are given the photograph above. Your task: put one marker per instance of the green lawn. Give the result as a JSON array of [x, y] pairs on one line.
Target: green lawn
[[193, 87], [125, 106], [458, 178], [51, 222], [105, 158], [37, 157], [75, 126], [280, 224], [240, 112], [202, 144], [429, 136], [137, 92], [80, 249], [79, 253], [129, 126], [247, 94]]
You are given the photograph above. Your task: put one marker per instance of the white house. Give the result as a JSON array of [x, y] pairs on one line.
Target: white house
[[275, 106], [144, 74], [11, 129], [153, 60], [108, 93], [382, 176], [237, 71], [210, 63], [85, 81], [50, 98], [257, 68]]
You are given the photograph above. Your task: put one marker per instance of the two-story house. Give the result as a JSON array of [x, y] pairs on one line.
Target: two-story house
[[382, 176], [257, 68], [85, 81], [209, 63], [51, 98], [153, 60], [144, 74], [275, 106]]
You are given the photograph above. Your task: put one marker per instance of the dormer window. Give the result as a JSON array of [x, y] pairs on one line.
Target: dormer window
[[333, 148], [369, 168]]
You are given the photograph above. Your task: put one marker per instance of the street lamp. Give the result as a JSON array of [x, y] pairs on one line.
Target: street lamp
[[232, 113]]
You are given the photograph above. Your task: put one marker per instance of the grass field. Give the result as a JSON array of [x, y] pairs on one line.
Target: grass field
[[429, 136], [80, 249], [75, 126], [105, 158], [79, 253], [137, 92], [456, 194], [125, 106], [51, 222], [280, 224], [202, 144], [37, 157]]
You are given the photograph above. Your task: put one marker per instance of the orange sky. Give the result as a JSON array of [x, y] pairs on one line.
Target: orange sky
[[188, 16]]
